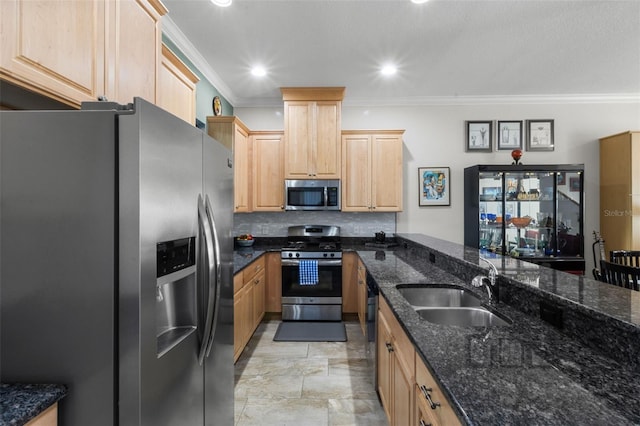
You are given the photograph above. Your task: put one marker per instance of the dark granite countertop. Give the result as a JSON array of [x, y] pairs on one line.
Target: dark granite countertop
[[19, 403], [529, 372]]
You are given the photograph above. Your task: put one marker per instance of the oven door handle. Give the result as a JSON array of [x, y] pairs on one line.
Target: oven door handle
[[321, 262]]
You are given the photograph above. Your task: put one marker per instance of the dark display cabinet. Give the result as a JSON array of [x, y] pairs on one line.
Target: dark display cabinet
[[532, 212]]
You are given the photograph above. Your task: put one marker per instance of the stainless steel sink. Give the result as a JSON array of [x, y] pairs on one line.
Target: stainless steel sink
[[464, 317], [450, 306], [438, 297]]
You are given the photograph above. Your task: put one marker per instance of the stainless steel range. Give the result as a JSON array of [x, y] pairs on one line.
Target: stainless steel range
[[312, 274]]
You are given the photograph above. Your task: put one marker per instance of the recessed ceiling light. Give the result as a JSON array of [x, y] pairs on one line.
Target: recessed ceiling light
[[259, 71], [388, 70], [222, 3], [419, 1]]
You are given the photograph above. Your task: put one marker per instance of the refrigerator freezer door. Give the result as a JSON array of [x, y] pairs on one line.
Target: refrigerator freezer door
[[160, 181], [219, 381], [57, 257]]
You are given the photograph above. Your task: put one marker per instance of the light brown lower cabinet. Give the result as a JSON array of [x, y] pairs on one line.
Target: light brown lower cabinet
[[349, 283], [248, 303], [396, 368], [48, 417], [273, 302], [363, 293], [409, 393]]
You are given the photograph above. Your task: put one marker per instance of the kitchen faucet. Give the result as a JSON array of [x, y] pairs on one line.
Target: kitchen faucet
[[478, 280]]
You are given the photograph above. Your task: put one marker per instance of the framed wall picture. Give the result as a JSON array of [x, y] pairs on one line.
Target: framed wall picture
[[479, 136], [435, 186], [574, 184], [540, 135], [509, 135]]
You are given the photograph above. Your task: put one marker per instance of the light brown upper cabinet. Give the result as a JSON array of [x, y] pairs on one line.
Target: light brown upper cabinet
[[372, 170], [177, 87], [620, 191], [135, 49], [80, 50], [312, 123], [233, 134], [268, 171]]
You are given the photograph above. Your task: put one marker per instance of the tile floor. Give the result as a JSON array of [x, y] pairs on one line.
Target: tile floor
[[305, 383]]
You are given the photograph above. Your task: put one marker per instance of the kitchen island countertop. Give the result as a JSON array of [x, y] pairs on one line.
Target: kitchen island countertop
[[20, 403], [526, 373]]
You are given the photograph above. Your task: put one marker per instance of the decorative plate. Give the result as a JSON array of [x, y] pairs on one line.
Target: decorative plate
[[217, 106]]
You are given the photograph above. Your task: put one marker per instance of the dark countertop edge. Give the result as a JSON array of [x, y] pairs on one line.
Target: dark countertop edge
[[21, 402], [468, 256]]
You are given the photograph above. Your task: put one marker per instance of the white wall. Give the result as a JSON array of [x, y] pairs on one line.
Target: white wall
[[435, 134]]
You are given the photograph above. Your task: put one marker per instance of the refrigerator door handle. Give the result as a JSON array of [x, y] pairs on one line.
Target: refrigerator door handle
[[203, 222], [214, 296]]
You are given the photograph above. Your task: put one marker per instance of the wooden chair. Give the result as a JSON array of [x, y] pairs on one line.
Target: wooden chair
[[621, 275], [625, 257]]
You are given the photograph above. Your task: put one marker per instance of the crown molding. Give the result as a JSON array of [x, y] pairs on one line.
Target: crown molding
[[173, 33], [496, 100], [171, 30]]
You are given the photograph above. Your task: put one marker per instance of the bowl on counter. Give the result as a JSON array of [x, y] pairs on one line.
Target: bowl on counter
[[244, 243]]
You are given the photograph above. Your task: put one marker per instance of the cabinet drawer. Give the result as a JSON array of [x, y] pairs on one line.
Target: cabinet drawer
[[254, 268], [442, 412]]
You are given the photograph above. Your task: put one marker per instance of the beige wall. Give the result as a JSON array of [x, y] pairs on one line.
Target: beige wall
[[435, 137]]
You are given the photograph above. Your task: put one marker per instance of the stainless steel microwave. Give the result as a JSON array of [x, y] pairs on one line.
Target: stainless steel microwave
[[317, 194]]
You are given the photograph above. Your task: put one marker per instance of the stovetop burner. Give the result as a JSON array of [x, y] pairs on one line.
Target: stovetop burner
[[312, 246], [313, 241]]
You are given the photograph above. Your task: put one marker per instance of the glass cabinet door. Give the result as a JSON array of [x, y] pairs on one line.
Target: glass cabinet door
[[490, 218], [569, 215], [529, 213]]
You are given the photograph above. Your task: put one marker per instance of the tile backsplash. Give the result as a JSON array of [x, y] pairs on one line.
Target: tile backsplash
[[276, 224]]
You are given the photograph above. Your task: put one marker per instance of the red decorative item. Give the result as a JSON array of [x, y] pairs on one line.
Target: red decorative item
[[516, 154]]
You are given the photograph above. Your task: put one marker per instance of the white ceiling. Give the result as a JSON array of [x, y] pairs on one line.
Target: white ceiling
[[445, 50]]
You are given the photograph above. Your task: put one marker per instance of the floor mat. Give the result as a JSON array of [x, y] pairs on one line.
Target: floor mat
[[302, 331]]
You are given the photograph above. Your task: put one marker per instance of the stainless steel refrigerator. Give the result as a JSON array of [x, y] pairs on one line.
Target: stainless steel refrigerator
[[116, 264]]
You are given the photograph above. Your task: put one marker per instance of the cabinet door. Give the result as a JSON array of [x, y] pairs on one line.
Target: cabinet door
[[384, 359], [268, 171], [257, 298], [386, 173], [134, 51], [619, 177], [402, 393], [356, 182], [54, 47], [241, 316], [241, 170], [349, 283], [362, 296], [298, 126], [273, 302], [177, 87], [327, 153]]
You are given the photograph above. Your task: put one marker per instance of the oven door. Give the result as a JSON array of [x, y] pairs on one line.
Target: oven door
[[329, 282]]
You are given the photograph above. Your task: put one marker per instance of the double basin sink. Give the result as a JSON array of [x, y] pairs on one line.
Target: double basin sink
[[450, 306]]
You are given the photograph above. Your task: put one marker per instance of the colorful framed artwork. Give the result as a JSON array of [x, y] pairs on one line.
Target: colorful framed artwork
[[540, 135], [509, 135], [479, 136], [435, 186]]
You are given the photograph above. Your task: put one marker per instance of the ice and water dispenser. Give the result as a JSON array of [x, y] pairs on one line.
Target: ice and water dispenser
[[175, 292]]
